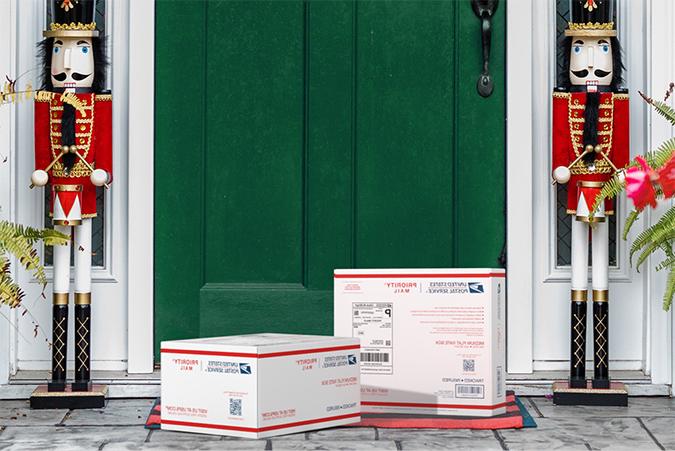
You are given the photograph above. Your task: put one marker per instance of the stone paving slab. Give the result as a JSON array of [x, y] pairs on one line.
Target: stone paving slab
[[19, 413], [663, 430], [333, 445], [212, 445], [344, 433], [48, 438], [637, 407], [441, 438], [170, 437], [116, 412], [580, 433]]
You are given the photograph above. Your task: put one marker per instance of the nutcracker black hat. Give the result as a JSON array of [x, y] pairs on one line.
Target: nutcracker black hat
[[72, 18], [591, 18]]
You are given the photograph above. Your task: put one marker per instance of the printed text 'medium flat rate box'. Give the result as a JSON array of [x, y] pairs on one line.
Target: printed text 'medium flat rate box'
[[260, 385], [432, 340]]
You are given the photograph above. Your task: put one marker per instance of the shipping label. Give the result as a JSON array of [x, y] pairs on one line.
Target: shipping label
[[373, 323]]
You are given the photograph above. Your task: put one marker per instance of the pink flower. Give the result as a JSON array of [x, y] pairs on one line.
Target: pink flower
[[667, 177], [639, 185]]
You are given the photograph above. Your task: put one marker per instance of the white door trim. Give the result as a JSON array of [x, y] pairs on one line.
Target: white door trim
[[661, 71], [141, 184], [522, 54], [7, 32]]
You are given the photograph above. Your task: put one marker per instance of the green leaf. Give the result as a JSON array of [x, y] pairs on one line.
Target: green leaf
[[630, 220], [665, 225], [670, 291], [664, 110]]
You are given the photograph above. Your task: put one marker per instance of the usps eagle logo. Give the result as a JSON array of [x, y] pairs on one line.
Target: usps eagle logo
[[476, 288], [351, 358], [244, 368]]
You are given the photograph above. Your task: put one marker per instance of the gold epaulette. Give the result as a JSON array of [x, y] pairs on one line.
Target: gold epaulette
[[103, 97], [621, 96], [561, 95]]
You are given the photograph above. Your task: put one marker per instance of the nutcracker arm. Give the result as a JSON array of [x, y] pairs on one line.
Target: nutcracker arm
[[54, 161], [588, 150], [86, 163]]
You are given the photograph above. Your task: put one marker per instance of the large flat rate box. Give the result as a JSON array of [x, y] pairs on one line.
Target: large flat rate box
[[432, 340], [260, 385]]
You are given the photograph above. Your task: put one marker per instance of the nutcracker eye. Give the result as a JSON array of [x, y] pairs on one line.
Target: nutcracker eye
[[57, 50], [85, 50], [605, 48], [577, 49]]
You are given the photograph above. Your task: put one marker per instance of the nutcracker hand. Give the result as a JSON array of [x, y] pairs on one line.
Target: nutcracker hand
[[99, 177], [39, 178], [621, 176], [561, 174]]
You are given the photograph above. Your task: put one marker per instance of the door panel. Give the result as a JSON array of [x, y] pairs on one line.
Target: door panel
[[321, 135]]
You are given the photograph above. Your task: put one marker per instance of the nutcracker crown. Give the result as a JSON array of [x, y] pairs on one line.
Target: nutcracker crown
[[591, 18], [72, 19]]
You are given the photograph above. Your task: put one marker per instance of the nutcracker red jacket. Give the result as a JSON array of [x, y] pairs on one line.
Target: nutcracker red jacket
[[93, 136], [568, 131]]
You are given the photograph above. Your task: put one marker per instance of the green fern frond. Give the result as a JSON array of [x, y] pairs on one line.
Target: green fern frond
[[665, 225], [670, 291], [668, 263], [611, 189], [658, 158], [630, 220], [10, 293], [664, 110], [18, 241], [652, 246]]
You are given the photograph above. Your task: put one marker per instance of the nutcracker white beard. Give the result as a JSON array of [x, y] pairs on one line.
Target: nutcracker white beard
[[591, 61], [72, 63]]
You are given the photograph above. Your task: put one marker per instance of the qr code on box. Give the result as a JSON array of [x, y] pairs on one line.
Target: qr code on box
[[235, 407], [469, 365]]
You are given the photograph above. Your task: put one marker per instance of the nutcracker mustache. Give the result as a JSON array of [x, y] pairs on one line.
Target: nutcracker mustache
[[584, 73], [75, 76]]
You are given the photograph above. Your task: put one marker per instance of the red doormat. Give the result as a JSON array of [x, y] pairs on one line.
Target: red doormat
[[516, 417]]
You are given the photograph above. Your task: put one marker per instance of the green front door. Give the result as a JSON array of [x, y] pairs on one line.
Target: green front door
[[295, 137]]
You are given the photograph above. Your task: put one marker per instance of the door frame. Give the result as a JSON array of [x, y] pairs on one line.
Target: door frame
[[530, 49]]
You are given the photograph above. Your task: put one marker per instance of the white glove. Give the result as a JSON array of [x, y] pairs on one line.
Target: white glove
[[39, 178], [561, 174], [99, 177], [621, 175]]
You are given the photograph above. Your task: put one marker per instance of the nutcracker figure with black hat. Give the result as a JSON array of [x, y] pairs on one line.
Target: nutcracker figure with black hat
[[590, 145], [73, 154]]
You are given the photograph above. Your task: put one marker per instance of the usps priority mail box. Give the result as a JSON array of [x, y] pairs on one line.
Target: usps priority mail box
[[432, 340], [260, 385]]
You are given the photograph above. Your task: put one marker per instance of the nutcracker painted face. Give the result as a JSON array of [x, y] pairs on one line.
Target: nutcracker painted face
[[591, 61], [72, 63]]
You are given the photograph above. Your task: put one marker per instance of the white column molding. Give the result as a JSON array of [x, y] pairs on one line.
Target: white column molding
[[522, 51], [661, 67], [7, 45], [141, 184]]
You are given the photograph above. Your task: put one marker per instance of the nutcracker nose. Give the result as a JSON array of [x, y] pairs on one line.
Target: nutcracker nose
[[590, 57], [66, 59]]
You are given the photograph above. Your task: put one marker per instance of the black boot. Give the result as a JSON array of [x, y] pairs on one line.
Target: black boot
[[82, 342], [601, 339], [578, 340], [59, 342]]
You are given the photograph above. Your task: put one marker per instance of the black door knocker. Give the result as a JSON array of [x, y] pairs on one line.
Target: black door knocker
[[485, 9]]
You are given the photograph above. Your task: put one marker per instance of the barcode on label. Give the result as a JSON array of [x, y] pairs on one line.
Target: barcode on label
[[469, 365], [499, 381], [375, 357], [469, 391], [235, 407]]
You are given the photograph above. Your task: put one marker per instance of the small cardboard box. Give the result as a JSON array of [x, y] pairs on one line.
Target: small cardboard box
[[260, 385], [432, 340]]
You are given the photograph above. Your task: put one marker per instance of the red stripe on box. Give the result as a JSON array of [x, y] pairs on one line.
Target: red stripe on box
[[418, 276], [259, 356], [431, 406], [263, 429]]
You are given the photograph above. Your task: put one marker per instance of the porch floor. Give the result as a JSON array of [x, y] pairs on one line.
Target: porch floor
[[646, 424]]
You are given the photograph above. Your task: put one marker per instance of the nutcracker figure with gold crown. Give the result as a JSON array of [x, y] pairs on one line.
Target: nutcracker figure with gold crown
[[590, 145], [73, 156]]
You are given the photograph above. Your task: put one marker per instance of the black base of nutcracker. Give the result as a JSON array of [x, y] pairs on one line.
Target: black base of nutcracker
[[42, 398], [615, 395]]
